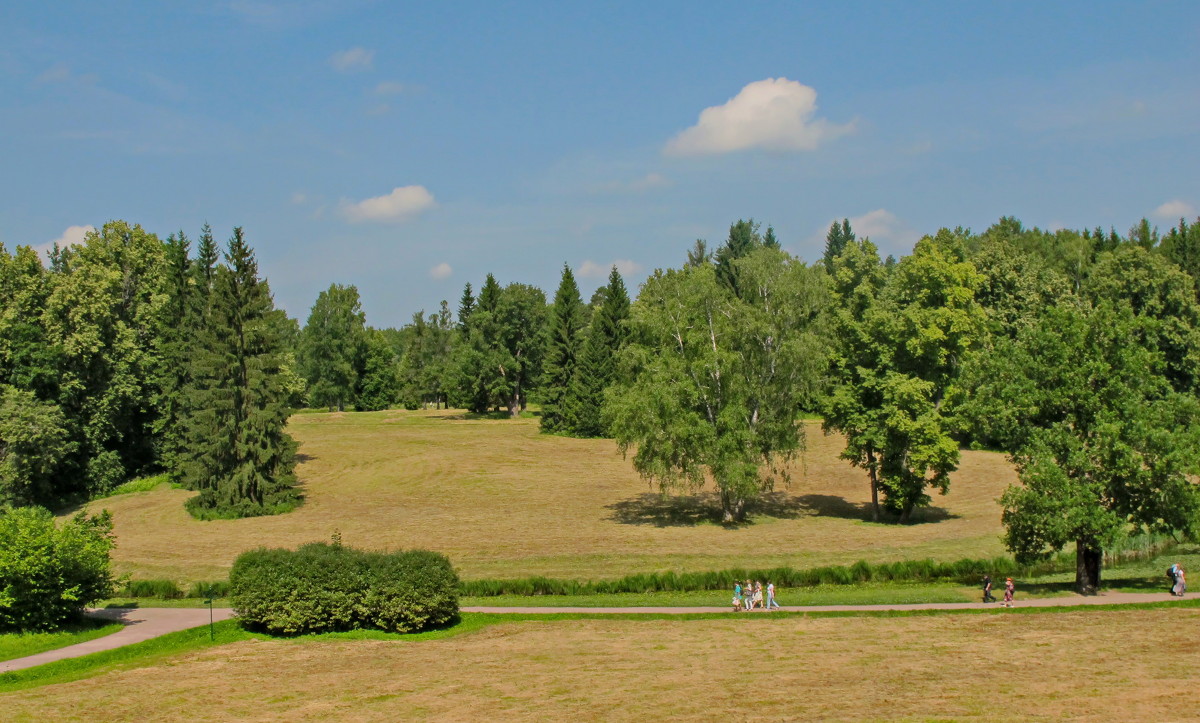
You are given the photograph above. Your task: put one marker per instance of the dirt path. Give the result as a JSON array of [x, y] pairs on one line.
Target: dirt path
[[145, 623], [140, 624]]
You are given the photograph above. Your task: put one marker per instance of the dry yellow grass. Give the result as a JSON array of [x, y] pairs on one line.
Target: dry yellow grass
[[503, 500], [1095, 666]]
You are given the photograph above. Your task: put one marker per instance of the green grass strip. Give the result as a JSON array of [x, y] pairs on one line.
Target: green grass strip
[[20, 645]]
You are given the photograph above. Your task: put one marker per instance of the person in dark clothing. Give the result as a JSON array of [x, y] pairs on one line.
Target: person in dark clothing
[[987, 589]]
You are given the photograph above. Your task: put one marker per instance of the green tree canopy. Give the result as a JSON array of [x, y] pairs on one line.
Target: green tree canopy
[[331, 346], [712, 383], [1102, 442], [900, 337]]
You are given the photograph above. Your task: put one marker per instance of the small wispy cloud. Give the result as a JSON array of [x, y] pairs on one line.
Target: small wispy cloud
[[352, 60], [648, 182], [403, 203], [441, 271], [775, 114], [1174, 210], [391, 87], [299, 198], [591, 270]]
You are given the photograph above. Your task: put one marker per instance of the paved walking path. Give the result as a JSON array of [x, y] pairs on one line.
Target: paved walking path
[[145, 623], [140, 624]]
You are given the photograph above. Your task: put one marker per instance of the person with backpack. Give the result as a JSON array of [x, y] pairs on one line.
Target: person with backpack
[[1173, 576]]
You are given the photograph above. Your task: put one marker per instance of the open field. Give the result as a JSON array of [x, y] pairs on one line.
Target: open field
[[503, 500], [1095, 665]]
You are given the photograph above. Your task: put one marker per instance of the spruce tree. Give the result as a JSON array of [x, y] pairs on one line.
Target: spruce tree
[[466, 306], [597, 363], [175, 342], [238, 454], [835, 241], [564, 340]]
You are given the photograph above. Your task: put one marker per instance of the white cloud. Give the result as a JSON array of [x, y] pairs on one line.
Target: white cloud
[[389, 87], [348, 61], [1174, 210], [591, 270], [441, 271], [400, 205], [73, 236], [299, 198], [775, 114]]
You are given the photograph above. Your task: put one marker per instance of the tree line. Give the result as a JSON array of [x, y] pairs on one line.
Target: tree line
[[1075, 352], [128, 355]]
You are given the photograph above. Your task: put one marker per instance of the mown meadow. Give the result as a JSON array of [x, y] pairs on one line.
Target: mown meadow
[[505, 501]]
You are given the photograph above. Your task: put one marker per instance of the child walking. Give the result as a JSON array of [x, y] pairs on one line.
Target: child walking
[[1009, 589]]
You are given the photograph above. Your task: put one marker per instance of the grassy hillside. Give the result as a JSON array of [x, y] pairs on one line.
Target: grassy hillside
[[503, 500]]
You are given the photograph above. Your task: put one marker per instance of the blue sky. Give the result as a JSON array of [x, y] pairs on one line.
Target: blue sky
[[410, 148]]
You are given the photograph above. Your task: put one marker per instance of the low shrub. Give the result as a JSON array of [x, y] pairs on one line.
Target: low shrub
[[212, 588], [50, 573], [328, 587], [161, 589]]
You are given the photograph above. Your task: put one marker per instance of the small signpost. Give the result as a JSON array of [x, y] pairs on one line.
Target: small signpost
[[212, 633]]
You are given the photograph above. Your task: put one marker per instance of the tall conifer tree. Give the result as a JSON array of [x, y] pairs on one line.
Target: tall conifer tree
[[238, 454], [597, 363], [564, 341]]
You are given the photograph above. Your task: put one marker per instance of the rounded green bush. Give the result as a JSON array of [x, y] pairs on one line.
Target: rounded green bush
[[50, 573], [325, 588]]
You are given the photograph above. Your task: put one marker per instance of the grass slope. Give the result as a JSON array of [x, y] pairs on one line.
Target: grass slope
[[503, 500], [20, 645]]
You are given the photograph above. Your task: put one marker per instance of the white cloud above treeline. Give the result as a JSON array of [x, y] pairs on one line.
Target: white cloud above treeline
[[73, 236], [441, 271], [402, 204], [879, 225], [775, 114], [1174, 210], [353, 59], [591, 270]]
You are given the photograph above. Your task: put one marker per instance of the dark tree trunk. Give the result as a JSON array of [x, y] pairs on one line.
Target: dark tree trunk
[[906, 513], [1087, 567], [874, 475], [733, 509]]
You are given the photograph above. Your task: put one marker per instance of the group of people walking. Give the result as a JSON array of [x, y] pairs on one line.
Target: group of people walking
[[1009, 589], [750, 596], [1178, 580]]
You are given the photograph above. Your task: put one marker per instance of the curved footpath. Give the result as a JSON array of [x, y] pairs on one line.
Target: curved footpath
[[145, 623], [140, 624]]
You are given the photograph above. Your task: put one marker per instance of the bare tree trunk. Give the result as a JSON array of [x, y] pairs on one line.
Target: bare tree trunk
[[1087, 567]]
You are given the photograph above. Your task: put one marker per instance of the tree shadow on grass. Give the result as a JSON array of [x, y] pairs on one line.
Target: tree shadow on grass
[[705, 508]]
